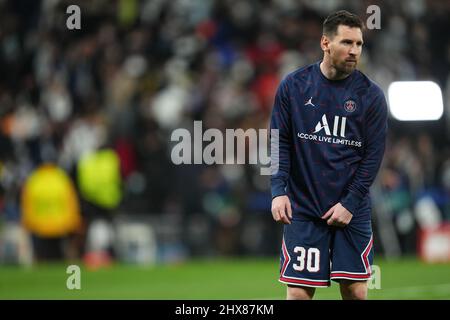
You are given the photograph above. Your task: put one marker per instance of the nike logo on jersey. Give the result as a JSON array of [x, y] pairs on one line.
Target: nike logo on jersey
[[309, 102]]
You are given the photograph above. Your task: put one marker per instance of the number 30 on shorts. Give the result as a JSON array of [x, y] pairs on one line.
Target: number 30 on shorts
[[312, 257]]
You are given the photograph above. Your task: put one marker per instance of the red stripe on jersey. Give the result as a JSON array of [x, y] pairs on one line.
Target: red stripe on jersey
[[349, 275], [286, 257], [306, 282], [366, 254]]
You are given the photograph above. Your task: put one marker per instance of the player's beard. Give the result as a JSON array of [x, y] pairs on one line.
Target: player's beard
[[344, 67]]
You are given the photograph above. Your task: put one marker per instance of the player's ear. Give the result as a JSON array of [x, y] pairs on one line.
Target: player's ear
[[324, 43]]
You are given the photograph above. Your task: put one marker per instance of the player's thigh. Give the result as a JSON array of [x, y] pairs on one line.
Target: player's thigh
[[300, 292], [352, 252], [353, 290], [305, 259]]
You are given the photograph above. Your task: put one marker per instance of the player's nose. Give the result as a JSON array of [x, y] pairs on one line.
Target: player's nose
[[353, 51]]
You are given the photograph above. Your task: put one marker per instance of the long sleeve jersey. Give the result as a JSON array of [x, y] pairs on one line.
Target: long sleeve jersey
[[331, 141]]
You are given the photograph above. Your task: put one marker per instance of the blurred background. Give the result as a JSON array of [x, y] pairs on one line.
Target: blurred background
[[86, 117]]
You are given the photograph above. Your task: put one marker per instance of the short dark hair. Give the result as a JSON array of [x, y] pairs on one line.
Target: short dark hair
[[341, 17]]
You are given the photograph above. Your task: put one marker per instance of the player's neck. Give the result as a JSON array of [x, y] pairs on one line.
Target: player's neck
[[330, 72]]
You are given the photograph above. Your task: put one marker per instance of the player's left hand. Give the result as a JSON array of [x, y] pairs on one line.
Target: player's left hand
[[338, 216]]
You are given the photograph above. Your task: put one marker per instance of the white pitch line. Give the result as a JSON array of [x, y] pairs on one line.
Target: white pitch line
[[401, 291], [413, 290]]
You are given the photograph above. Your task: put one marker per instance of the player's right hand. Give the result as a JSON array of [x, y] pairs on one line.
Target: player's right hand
[[281, 209]]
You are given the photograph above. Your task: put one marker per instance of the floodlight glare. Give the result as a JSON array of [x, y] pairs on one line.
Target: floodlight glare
[[415, 100]]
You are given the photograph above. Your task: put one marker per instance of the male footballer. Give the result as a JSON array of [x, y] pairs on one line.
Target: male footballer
[[332, 123]]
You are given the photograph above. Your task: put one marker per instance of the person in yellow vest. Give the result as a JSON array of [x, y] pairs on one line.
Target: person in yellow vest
[[99, 183], [99, 178], [50, 210]]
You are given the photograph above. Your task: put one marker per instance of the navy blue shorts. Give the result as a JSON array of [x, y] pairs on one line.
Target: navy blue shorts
[[313, 253]]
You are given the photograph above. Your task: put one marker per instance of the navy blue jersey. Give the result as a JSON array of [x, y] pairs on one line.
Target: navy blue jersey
[[331, 141]]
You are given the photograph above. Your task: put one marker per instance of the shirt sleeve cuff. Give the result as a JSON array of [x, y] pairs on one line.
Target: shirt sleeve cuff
[[351, 202], [278, 188]]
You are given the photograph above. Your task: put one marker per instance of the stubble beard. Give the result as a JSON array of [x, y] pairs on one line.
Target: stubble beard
[[343, 69], [348, 68]]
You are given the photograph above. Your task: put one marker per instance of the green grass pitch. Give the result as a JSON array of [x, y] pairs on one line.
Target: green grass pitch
[[210, 279]]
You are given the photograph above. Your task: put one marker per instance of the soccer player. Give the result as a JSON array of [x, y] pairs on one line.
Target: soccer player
[[332, 123]]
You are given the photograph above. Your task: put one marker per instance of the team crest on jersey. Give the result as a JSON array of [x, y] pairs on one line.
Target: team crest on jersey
[[350, 105]]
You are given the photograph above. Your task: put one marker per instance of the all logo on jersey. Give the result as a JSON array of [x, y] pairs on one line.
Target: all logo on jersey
[[324, 133], [350, 105], [338, 126]]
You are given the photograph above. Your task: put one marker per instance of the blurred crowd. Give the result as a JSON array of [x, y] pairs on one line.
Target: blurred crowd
[[138, 69]]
